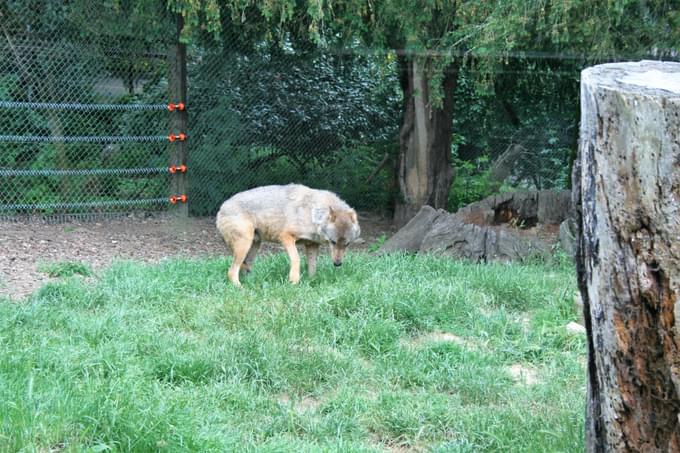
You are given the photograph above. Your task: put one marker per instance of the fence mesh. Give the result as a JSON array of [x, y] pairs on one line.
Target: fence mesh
[[287, 116], [84, 122]]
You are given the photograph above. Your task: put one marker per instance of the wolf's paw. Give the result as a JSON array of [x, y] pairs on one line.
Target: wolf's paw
[[233, 278]]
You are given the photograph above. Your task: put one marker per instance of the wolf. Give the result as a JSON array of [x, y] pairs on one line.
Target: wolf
[[287, 214]]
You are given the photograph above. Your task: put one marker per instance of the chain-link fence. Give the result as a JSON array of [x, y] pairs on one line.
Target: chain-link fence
[[91, 122], [269, 117], [84, 125]]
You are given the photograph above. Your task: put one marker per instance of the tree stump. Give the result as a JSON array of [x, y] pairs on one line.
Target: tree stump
[[511, 226], [626, 188]]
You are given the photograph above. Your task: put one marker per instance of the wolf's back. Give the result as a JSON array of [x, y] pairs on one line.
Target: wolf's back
[[286, 201], [261, 198]]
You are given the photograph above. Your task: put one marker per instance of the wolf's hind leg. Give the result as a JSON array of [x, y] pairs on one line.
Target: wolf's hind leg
[[288, 242], [240, 245], [252, 253]]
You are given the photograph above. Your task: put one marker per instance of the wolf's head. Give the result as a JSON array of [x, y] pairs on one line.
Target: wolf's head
[[340, 228]]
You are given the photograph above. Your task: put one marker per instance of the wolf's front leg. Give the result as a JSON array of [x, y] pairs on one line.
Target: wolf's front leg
[[288, 242], [311, 251]]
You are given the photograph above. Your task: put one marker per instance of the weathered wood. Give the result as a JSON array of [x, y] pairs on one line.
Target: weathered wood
[[626, 189], [177, 87], [410, 237], [501, 227]]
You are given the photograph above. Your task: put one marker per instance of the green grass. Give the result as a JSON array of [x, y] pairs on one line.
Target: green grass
[[384, 353], [65, 269]]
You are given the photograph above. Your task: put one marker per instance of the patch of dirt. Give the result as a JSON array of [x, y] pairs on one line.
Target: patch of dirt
[[523, 375], [394, 446], [28, 243], [524, 321], [306, 403], [436, 337]]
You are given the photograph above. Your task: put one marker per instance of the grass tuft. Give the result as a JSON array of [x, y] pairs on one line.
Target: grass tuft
[[65, 269]]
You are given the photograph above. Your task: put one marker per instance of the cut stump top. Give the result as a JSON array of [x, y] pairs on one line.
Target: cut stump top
[[649, 77]]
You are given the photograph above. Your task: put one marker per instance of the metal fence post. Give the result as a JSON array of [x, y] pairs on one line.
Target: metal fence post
[[177, 85]]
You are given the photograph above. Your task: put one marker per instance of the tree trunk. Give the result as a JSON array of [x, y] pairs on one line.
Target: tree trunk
[[626, 186], [424, 168]]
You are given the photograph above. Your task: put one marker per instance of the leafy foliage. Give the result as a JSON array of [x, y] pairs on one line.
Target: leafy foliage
[[269, 107], [303, 104], [281, 116], [472, 183], [531, 106]]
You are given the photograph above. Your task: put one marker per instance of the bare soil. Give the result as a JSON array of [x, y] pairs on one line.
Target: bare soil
[[28, 244]]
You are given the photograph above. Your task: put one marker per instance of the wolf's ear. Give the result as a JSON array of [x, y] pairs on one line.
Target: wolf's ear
[[353, 216], [356, 230], [319, 215], [331, 215]]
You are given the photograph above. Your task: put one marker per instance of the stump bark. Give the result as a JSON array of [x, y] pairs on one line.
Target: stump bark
[[626, 190]]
